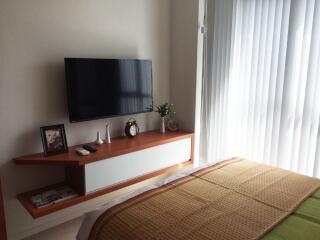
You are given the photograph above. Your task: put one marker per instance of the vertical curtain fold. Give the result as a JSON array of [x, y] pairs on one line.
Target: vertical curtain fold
[[261, 83]]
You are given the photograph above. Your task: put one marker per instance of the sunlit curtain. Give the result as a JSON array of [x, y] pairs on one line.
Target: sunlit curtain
[[261, 87]]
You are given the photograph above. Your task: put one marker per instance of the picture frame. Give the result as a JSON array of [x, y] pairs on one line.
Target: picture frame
[[54, 139]]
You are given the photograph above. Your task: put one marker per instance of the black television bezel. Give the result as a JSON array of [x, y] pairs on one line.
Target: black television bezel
[[68, 88]]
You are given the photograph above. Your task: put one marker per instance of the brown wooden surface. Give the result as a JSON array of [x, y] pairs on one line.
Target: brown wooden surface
[[25, 198], [3, 232], [75, 177], [118, 146]]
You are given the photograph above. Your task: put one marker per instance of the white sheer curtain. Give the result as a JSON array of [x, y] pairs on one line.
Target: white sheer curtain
[[261, 88]]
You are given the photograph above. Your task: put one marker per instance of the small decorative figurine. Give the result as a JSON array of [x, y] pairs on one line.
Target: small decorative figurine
[[108, 139], [99, 140]]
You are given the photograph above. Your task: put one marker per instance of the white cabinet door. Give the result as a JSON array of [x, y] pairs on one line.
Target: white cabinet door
[[104, 173]]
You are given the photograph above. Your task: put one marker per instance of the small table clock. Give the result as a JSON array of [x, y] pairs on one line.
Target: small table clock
[[131, 129]]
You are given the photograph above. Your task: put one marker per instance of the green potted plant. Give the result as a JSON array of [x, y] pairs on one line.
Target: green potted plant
[[164, 110]]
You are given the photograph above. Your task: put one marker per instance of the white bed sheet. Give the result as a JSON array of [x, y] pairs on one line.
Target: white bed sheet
[[91, 217]]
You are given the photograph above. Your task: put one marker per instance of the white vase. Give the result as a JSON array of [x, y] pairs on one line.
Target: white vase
[[99, 140], [108, 139], [162, 126]]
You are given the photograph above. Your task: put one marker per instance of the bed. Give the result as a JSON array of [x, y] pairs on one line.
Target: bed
[[235, 199]]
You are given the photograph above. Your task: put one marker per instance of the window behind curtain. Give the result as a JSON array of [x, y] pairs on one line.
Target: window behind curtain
[[261, 89]]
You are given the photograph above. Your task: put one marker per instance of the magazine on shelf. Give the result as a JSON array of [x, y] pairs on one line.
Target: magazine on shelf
[[53, 196]]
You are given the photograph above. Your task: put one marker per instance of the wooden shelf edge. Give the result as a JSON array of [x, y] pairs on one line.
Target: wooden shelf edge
[[24, 198], [72, 159]]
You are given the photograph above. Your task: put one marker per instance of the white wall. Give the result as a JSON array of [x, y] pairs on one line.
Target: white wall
[[35, 36], [184, 34]]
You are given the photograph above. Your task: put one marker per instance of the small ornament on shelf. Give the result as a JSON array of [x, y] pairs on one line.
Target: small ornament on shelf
[[99, 141], [172, 124], [131, 129], [108, 138]]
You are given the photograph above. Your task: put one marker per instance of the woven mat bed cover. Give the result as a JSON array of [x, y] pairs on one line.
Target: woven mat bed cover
[[235, 200]]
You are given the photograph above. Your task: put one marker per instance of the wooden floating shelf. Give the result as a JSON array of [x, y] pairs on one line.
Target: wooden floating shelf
[[118, 146], [78, 167]]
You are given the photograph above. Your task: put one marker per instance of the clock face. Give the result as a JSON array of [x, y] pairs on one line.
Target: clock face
[[133, 131]]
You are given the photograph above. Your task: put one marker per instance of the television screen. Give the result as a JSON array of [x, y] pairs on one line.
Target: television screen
[[99, 88]]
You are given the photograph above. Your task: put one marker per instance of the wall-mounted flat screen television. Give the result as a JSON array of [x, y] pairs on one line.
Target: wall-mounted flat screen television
[[100, 88]]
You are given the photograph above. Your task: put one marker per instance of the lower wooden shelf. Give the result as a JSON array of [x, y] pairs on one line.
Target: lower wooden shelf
[[25, 198]]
